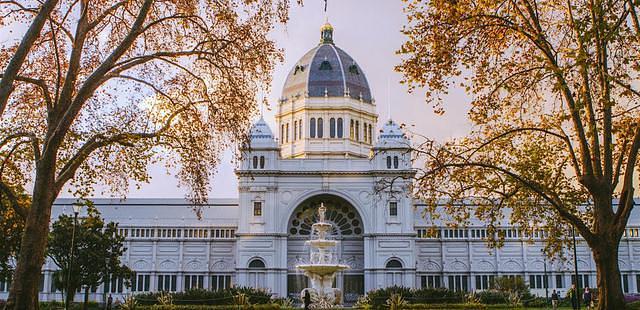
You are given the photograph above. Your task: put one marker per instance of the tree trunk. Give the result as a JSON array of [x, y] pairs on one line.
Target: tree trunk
[[26, 281], [609, 287]]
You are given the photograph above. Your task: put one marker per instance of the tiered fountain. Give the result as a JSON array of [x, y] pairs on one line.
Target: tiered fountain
[[323, 265]]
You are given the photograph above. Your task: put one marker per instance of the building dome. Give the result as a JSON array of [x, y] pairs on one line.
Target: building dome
[[392, 136], [327, 70], [260, 135]]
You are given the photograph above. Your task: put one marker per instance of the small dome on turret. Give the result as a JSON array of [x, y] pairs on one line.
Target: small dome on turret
[[392, 136], [260, 135]]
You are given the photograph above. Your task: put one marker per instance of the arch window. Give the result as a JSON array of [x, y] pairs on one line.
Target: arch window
[[364, 132], [257, 275], [255, 162], [282, 133], [332, 127], [357, 131], [300, 129], [395, 162], [340, 125], [312, 128], [394, 273], [370, 134], [295, 130], [351, 131], [320, 127], [388, 162], [261, 162], [287, 132], [394, 264]]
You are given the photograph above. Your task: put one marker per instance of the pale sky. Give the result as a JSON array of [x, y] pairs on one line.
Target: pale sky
[[369, 30]]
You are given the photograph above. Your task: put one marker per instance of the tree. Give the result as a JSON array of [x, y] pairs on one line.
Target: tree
[[555, 113], [97, 90], [97, 248], [11, 227]]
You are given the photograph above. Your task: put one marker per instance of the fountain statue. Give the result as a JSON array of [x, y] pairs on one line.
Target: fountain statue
[[323, 265]]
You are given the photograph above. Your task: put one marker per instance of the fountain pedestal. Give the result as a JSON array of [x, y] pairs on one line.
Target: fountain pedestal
[[323, 266]]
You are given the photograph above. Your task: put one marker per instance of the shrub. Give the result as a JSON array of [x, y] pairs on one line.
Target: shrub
[[492, 297], [209, 307], [204, 297], [396, 302], [436, 296]]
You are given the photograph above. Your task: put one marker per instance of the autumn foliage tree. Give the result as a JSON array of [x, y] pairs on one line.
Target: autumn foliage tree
[[556, 115], [94, 91]]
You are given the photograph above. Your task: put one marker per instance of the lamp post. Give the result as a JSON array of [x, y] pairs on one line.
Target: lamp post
[[546, 280], [575, 266], [76, 210]]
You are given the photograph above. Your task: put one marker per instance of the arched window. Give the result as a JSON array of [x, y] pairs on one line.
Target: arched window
[[255, 162], [394, 264], [364, 132], [295, 130], [370, 134], [340, 127], [256, 264], [357, 131], [261, 162], [282, 133], [388, 162], [300, 129], [312, 128], [395, 162], [332, 127], [287, 132], [351, 131], [320, 127], [257, 275]]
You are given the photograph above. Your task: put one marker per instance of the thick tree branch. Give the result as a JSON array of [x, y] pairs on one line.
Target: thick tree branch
[[13, 200], [627, 200]]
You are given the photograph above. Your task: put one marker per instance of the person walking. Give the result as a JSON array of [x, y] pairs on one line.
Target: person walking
[[109, 302], [572, 294], [587, 298], [307, 299], [554, 300]]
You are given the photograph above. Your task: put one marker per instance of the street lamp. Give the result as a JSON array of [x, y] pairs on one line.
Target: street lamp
[[76, 209], [575, 266]]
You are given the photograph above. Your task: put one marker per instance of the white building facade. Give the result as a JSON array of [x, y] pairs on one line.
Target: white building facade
[[328, 148]]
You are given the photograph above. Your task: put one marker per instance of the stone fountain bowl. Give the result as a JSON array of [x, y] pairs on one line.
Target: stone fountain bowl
[[322, 269], [322, 243]]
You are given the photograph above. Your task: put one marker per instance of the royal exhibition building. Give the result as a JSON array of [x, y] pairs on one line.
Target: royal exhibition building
[[328, 147]]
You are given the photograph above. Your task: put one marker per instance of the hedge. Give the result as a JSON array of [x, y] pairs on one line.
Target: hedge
[[208, 307]]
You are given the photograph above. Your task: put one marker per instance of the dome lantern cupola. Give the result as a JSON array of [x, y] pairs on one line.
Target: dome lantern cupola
[[326, 34]]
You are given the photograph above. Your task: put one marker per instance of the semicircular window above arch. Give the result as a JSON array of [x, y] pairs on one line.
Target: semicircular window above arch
[[344, 217]]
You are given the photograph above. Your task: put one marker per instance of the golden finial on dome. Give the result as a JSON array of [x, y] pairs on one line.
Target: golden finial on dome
[[326, 33]]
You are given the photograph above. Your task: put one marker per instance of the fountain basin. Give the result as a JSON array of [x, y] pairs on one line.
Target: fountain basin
[[322, 243], [322, 269]]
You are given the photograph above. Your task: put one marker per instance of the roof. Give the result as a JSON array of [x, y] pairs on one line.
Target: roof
[[327, 71]]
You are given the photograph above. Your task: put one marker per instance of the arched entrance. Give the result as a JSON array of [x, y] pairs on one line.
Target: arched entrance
[[348, 229]]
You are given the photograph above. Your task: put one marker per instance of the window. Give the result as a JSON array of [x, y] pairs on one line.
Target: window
[[484, 282], [167, 282], [193, 282], [299, 129], [261, 162], [332, 127], [582, 279], [357, 131], [287, 132], [282, 133], [325, 65], [140, 282], [388, 162], [5, 284], [113, 285], [538, 281], [625, 283], [364, 132], [353, 69], [351, 131], [257, 208], [295, 130], [394, 264], [559, 281], [220, 282], [395, 162], [430, 281], [370, 134], [320, 127], [255, 162], [340, 127], [393, 208], [458, 283], [312, 128], [256, 273]]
